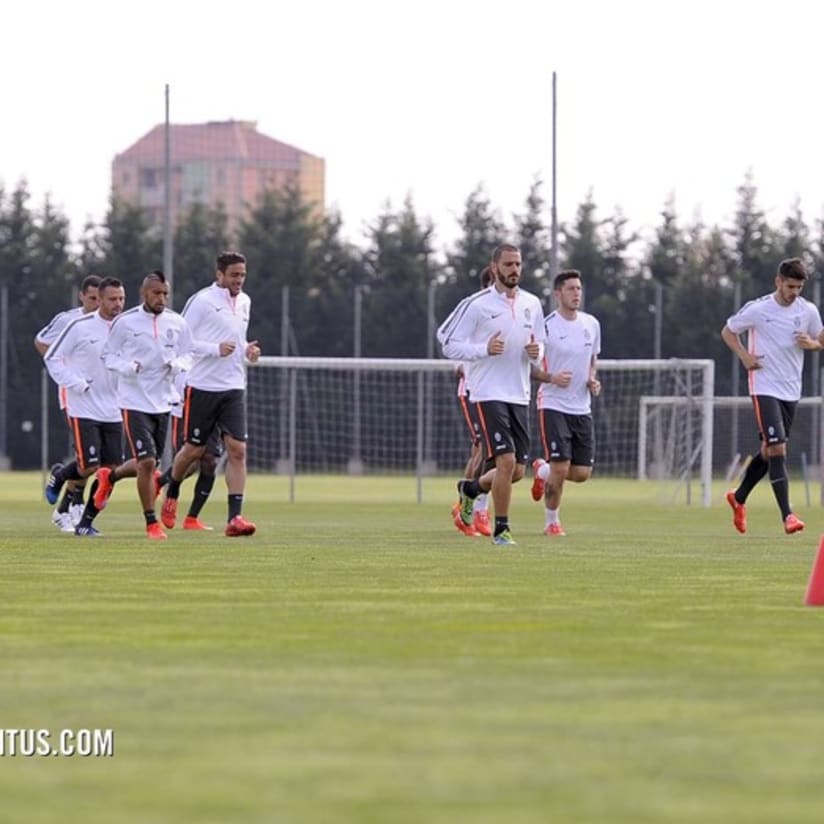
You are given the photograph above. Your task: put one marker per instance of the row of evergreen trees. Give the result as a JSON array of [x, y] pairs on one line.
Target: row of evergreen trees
[[700, 272]]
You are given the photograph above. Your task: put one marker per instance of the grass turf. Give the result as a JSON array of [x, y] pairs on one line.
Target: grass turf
[[359, 660]]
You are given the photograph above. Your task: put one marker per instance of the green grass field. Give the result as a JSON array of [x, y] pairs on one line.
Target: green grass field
[[359, 660]]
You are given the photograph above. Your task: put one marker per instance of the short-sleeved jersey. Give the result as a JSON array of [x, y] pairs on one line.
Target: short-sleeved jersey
[[464, 336], [74, 362], [771, 333], [215, 316], [571, 346], [160, 344]]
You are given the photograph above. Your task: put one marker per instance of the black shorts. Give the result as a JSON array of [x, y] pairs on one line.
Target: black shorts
[[504, 428], [97, 443], [566, 437], [774, 418], [470, 416], [204, 412], [214, 446], [145, 432]]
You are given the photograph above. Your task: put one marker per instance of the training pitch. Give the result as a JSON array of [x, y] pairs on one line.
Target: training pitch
[[359, 660]]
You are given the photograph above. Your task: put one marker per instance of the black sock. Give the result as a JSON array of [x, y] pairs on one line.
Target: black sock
[[173, 489], [501, 523], [780, 483], [149, 515], [203, 488], [65, 502], [470, 488], [77, 495], [235, 505], [90, 512], [166, 477], [70, 472], [756, 470]]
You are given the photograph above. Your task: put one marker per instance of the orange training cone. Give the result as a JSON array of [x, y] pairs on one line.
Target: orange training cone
[[815, 588]]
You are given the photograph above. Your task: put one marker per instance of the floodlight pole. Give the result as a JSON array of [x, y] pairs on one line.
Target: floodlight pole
[[553, 252], [167, 202]]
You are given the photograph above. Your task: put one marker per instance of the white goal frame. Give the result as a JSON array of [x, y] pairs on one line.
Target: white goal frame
[[426, 382]]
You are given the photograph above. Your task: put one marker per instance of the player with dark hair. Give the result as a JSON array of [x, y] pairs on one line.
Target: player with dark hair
[[499, 332], [216, 387], [780, 326], [568, 382], [70, 507], [74, 361]]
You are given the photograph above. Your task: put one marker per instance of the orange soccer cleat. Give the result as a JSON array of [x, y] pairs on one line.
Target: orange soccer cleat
[[792, 523], [239, 527], [154, 532], [739, 513], [168, 513], [191, 522], [538, 483], [467, 529], [556, 530], [104, 488]]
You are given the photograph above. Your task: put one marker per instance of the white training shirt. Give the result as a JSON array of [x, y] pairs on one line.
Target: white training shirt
[[464, 336], [48, 335], [74, 362], [147, 351], [571, 346], [214, 316], [771, 332]]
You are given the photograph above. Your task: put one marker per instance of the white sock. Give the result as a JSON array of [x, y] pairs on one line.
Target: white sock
[[543, 471], [481, 504], [552, 516]]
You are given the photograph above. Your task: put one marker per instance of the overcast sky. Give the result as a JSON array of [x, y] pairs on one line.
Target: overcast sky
[[432, 98]]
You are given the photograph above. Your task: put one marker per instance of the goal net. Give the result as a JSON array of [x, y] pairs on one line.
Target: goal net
[[396, 416]]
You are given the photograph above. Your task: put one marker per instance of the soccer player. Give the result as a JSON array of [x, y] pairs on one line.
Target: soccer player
[[216, 386], [568, 382], [70, 507], [780, 326], [499, 332], [74, 362], [147, 346]]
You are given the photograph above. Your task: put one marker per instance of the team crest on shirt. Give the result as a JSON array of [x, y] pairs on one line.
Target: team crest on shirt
[[497, 437], [527, 313], [139, 444], [92, 451]]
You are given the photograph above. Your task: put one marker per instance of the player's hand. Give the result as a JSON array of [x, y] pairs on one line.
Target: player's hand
[[594, 386], [533, 349], [751, 361], [804, 341], [226, 348], [562, 379], [252, 351], [495, 345]]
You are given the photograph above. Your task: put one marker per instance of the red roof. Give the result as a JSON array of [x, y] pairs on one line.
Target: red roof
[[217, 140]]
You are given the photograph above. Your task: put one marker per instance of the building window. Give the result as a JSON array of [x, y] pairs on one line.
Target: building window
[[148, 178]]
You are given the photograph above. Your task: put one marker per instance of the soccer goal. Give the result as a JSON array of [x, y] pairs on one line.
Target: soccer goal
[[381, 416]]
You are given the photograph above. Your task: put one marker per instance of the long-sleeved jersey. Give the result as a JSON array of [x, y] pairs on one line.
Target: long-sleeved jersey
[[147, 351], [74, 362], [214, 316], [465, 334]]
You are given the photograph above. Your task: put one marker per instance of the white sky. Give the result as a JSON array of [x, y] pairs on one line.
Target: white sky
[[432, 98]]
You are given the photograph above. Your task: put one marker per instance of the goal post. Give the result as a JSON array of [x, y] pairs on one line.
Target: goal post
[[383, 416]]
